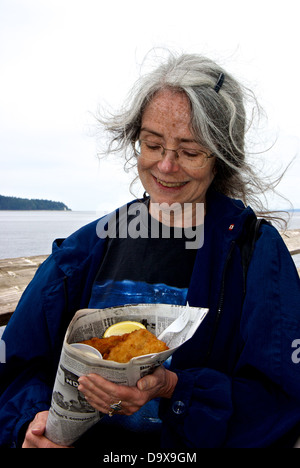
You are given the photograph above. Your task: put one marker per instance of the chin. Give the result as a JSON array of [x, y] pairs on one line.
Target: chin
[[158, 198]]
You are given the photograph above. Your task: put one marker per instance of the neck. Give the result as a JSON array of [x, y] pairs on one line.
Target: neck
[[178, 215]]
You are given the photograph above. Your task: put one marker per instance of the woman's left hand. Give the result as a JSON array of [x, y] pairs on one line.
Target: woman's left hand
[[100, 393]]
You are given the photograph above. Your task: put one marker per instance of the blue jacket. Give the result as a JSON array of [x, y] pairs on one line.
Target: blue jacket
[[238, 385]]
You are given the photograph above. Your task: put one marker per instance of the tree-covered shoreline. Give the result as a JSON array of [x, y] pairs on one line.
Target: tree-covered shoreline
[[15, 203]]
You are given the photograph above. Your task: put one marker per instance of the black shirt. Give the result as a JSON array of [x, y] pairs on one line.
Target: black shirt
[[153, 267]]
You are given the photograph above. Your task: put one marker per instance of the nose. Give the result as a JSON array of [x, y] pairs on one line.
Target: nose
[[168, 163]]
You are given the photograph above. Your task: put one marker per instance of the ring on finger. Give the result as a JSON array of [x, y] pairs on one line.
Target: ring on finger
[[114, 408]]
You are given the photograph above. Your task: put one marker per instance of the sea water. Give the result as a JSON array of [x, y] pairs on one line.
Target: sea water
[[29, 233]]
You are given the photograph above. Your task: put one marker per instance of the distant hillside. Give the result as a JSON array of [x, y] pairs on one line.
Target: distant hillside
[[15, 203]]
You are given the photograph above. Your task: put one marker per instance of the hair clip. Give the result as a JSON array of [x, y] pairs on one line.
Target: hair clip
[[219, 82]]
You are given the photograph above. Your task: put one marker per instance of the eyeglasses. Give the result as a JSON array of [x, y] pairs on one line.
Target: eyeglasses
[[187, 157]]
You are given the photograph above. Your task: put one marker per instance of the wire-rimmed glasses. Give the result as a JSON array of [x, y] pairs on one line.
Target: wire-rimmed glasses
[[187, 157]]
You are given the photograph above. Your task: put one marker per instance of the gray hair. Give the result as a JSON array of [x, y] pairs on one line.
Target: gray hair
[[219, 121]]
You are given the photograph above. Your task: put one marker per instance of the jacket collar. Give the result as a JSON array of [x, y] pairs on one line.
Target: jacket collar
[[72, 253], [224, 213]]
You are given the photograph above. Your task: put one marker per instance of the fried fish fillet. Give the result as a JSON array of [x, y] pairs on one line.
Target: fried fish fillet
[[104, 345], [137, 343], [125, 347]]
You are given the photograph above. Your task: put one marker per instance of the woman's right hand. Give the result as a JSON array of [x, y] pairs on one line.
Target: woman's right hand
[[34, 437]]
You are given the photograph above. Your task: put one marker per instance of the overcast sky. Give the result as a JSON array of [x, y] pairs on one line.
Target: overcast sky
[[61, 59]]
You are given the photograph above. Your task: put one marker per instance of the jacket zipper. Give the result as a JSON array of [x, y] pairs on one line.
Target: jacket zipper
[[220, 302]]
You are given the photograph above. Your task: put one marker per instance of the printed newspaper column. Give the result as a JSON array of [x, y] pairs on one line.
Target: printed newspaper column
[[70, 414]]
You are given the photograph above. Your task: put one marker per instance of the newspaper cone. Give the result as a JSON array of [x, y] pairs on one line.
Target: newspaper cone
[[70, 415]]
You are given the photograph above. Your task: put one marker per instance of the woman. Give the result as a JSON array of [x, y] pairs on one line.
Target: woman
[[234, 383]]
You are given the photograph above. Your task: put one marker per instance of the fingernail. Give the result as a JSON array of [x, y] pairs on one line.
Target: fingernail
[[142, 385], [37, 429]]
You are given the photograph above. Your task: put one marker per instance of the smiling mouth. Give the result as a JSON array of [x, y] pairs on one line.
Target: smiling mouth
[[170, 184]]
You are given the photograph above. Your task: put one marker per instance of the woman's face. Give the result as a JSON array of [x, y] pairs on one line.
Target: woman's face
[[166, 121]]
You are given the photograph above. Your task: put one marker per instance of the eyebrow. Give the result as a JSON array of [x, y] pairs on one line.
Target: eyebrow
[[183, 140], [145, 129]]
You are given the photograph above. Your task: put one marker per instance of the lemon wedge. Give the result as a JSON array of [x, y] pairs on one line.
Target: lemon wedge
[[121, 328]]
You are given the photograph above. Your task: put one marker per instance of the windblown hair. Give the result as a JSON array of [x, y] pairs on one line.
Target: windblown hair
[[219, 122]]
